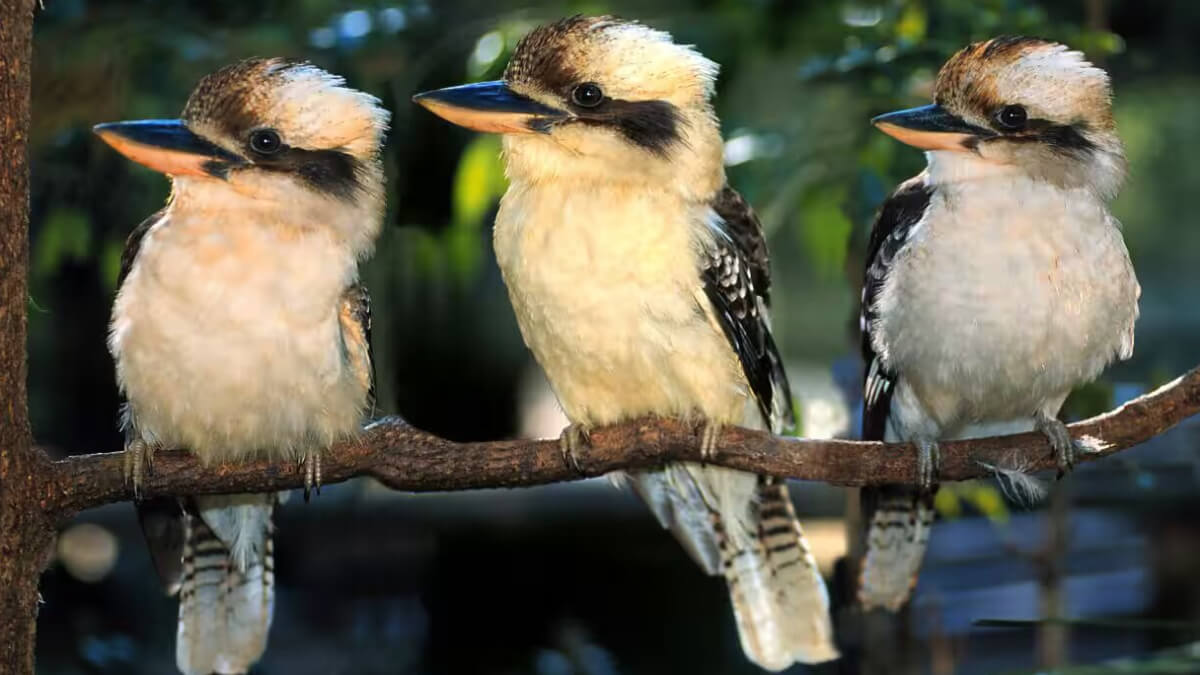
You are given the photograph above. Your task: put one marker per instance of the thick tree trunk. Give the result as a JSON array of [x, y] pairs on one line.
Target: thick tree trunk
[[25, 532]]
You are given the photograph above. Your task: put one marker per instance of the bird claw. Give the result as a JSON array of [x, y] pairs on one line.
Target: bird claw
[[1066, 450], [138, 464], [573, 439], [710, 433], [929, 464], [311, 464]]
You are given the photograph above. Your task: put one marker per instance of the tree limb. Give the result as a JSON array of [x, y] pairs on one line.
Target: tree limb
[[26, 532], [405, 458]]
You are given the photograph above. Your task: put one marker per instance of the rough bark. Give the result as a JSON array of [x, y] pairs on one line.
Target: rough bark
[[25, 531], [405, 458]]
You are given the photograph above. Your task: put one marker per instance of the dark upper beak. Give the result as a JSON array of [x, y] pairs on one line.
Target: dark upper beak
[[931, 127], [168, 146], [490, 107]]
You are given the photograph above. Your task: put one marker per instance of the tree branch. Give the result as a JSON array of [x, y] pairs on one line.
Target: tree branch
[[405, 458]]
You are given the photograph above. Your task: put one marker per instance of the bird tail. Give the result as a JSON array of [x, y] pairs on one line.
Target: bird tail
[[900, 519], [779, 599], [743, 527], [227, 592]]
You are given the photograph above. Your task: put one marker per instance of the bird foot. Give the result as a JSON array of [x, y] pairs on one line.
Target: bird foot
[[710, 433], [929, 464], [1065, 449], [311, 465], [138, 463], [574, 439]]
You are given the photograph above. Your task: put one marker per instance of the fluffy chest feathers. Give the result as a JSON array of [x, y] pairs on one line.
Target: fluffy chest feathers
[[606, 288], [227, 339], [1008, 294]]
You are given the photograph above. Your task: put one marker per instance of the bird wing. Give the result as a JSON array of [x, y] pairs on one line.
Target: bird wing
[[737, 279], [897, 219], [898, 517], [133, 243], [354, 314], [737, 524]]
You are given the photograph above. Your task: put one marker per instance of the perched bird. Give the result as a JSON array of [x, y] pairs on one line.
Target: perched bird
[[996, 280], [239, 329], [639, 279]]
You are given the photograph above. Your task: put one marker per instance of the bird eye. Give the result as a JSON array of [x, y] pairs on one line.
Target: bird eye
[[587, 95], [1012, 117], [265, 141]]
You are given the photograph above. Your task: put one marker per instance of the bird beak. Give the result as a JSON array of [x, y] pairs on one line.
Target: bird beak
[[168, 146], [490, 107], [931, 127]]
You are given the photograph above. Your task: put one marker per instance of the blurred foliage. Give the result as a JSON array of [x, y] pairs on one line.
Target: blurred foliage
[[478, 185], [954, 500]]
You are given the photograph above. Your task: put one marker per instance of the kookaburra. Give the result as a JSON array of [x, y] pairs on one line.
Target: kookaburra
[[240, 329], [639, 279], [996, 280]]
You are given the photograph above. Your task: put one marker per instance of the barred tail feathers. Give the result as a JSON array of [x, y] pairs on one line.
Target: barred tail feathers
[[228, 588], [743, 527], [900, 522], [779, 598]]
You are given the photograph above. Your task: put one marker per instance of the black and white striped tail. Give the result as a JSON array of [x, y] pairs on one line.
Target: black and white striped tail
[[900, 519], [227, 590], [779, 598], [743, 527]]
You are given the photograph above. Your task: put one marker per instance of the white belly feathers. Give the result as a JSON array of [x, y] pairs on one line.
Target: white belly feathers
[[227, 340], [607, 293], [1005, 299]]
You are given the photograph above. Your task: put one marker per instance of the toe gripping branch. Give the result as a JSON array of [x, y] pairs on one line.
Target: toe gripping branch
[[311, 465], [1066, 451]]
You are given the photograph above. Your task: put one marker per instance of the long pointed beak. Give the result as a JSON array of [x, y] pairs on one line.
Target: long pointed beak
[[490, 107], [931, 127], [168, 146]]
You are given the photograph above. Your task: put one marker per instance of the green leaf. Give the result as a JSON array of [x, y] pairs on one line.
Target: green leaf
[[66, 235], [947, 503], [825, 230], [912, 24], [478, 182], [989, 501], [110, 262]]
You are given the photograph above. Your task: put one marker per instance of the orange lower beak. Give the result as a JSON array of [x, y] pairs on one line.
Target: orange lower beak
[[491, 107], [926, 140], [931, 127], [168, 146]]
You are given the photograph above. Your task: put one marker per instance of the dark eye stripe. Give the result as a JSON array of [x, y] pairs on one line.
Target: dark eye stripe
[[330, 171], [653, 125], [1066, 138]]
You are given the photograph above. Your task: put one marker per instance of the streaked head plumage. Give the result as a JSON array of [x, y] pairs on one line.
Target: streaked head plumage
[[1050, 80], [1023, 104], [598, 99], [308, 107], [277, 140]]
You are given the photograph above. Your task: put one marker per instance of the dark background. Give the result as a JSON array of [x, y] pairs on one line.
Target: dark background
[[578, 578]]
